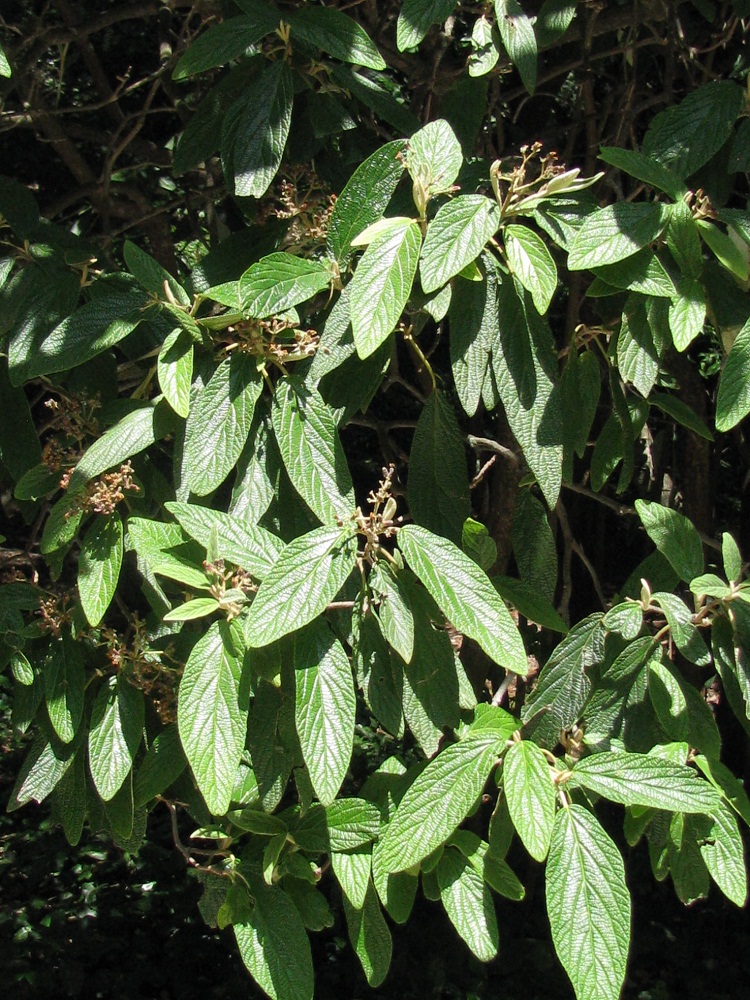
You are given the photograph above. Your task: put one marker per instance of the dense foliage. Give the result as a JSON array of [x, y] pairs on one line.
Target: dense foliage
[[372, 439]]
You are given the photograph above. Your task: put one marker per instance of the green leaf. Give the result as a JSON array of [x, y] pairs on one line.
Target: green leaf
[[614, 233], [200, 607], [681, 412], [674, 536], [370, 937], [255, 131], [477, 542], [219, 423], [224, 42], [307, 576], [71, 799], [174, 368], [395, 615], [43, 768], [564, 686], [162, 765], [382, 284], [377, 674], [685, 633], [644, 780], [643, 272], [528, 602], [134, 433], [484, 52], [684, 137], [416, 17], [518, 38], [468, 903], [455, 779], [364, 198], [456, 236], [733, 399], [644, 168], [438, 487], [532, 263], [352, 823], [308, 440], [353, 873], [637, 356], [729, 255], [434, 159], [5, 69], [588, 905], [247, 545], [116, 731], [65, 687], [463, 592], [731, 557], [524, 362], [472, 321], [534, 546], [337, 34], [151, 275], [212, 715], [279, 281], [531, 796], [724, 855], [274, 945], [99, 566], [96, 326], [683, 240], [325, 707]]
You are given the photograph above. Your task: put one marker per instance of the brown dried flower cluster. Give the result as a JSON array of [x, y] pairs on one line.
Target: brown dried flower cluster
[[301, 197], [145, 667], [102, 495]]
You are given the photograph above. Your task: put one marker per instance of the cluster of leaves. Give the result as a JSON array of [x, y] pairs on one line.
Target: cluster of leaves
[[244, 601]]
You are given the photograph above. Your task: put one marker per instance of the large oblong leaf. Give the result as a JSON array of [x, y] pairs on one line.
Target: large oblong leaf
[[468, 903], [255, 131], [65, 687], [364, 198], [309, 573], [219, 423], [438, 487], [615, 232], [674, 536], [416, 17], [212, 715], [531, 796], [645, 780], [532, 264], [99, 566], [250, 546], [456, 236], [116, 730], [279, 281], [309, 443], [274, 945], [733, 399], [519, 39], [337, 34], [325, 707], [438, 800], [464, 593], [588, 905], [382, 284]]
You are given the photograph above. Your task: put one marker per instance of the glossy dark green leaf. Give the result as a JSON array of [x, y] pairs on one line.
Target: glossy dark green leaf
[[518, 37], [337, 34], [455, 237], [416, 17]]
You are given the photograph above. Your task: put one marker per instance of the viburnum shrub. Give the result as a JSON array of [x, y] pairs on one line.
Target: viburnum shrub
[[295, 559]]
